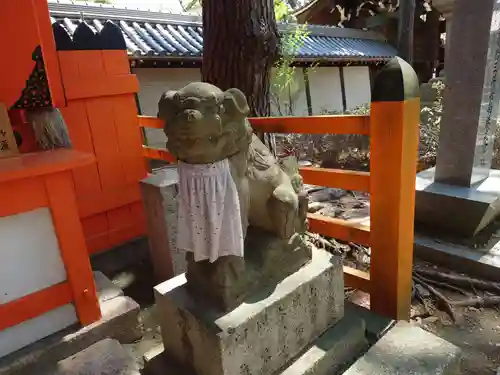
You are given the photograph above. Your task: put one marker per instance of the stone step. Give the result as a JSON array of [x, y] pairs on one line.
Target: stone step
[[376, 325], [261, 335], [336, 349], [408, 349], [400, 350], [119, 321], [106, 357]]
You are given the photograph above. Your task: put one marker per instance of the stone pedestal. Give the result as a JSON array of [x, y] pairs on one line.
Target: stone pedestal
[[229, 280], [456, 209], [159, 196], [461, 194], [262, 335]]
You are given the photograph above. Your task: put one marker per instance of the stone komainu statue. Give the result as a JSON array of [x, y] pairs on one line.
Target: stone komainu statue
[[204, 125], [231, 252]]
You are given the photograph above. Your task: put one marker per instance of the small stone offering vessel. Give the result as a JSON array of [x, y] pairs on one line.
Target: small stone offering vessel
[[241, 213]]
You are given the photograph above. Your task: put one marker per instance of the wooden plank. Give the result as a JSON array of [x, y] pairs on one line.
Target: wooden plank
[[34, 304], [75, 115], [41, 163], [158, 154], [71, 240], [100, 113], [96, 87], [129, 138], [68, 63], [305, 125], [313, 124], [90, 69], [16, 72], [99, 235], [345, 230], [95, 229], [119, 218], [393, 151], [109, 200], [337, 178], [125, 234], [50, 60], [22, 197], [116, 62], [357, 279], [150, 122]]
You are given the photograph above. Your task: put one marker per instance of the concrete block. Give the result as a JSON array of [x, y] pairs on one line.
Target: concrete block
[[463, 211], [334, 350], [106, 357], [119, 321], [262, 334], [408, 349], [376, 325], [159, 193], [106, 290], [482, 262], [151, 354]]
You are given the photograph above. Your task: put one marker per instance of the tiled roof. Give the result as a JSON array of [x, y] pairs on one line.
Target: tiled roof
[[165, 35]]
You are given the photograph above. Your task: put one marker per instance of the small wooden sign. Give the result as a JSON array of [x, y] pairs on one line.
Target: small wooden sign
[[8, 146]]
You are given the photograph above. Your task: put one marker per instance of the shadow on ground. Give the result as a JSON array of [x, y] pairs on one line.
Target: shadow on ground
[[129, 267]]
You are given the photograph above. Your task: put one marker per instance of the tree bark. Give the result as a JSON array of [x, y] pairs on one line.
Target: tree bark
[[405, 29], [240, 45]]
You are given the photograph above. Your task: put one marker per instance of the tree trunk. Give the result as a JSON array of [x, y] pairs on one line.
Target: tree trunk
[[240, 45], [405, 29]]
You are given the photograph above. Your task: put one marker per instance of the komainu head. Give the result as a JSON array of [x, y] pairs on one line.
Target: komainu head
[[203, 123]]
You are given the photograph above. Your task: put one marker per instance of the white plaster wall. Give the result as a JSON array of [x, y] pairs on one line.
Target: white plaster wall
[[326, 90], [155, 81], [298, 94], [31, 261], [295, 94], [30, 331], [324, 84], [357, 86], [152, 83]]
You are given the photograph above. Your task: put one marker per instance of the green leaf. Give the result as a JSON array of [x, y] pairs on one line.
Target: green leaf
[[281, 10]]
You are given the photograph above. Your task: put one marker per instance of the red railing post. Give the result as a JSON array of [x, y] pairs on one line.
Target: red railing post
[[394, 127]]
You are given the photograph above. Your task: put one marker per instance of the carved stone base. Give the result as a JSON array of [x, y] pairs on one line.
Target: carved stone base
[[225, 283], [262, 335]]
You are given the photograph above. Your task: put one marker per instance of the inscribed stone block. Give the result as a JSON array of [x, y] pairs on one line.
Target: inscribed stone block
[[262, 334]]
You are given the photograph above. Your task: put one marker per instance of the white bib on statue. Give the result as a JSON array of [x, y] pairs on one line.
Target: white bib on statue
[[209, 221]]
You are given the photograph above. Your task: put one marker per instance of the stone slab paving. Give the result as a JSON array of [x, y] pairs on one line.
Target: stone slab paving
[[408, 349], [106, 357], [334, 350], [376, 325]]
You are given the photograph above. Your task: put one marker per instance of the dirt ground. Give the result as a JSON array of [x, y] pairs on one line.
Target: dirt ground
[[477, 331], [478, 334]]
